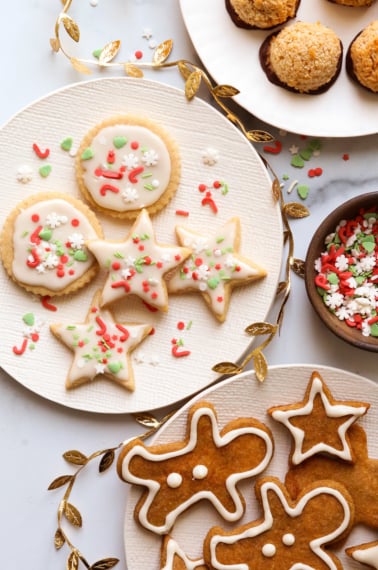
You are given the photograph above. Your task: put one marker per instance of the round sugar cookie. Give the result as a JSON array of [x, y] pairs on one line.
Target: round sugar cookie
[[126, 164], [43, 244]]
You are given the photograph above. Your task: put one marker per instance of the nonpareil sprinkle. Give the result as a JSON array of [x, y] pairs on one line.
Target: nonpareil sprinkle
[[347, 272]]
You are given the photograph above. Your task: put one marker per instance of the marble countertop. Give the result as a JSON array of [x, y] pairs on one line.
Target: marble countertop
[[35, 432]]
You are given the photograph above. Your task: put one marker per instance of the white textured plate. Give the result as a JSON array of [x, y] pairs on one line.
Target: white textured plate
[[160, 378], [244, 396], [231, 56]]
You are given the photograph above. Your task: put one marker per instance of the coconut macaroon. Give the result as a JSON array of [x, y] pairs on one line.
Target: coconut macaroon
[[261, 14], [353, 3], [362, 57], [303, 57]]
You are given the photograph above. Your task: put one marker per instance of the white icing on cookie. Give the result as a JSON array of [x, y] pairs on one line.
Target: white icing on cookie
[[367, 554], [172, 550], [49, 244], [126, 167]]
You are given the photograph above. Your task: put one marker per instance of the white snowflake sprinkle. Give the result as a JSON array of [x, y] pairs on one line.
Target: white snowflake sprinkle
[[129, 195], [130, 160], [76, 240], [150, 158]]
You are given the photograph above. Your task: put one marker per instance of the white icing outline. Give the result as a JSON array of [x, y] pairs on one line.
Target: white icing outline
[[172, 549], [230, 482], [367, 555], [293, 512], [332, 410]]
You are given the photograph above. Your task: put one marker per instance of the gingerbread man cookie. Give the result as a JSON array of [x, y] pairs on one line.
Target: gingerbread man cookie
[[319, 424], [207, 465], [290, 534]]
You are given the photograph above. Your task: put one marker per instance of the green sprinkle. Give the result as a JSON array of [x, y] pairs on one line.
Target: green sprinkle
[[297, 161], [148, 187], [303, 191], [29, 319], [115, 367], [220, 239], [189, 325], [87, 154], [71, 327], [80, 255], [66, 144], [315, 144], [119, 142], [213, 282], [146, 175], [32, 346], [285, 177], [118, 255], [333, 278], [45, 170], [97, 52], [369, 246], [374, 329], [306, 153], [45, 234]]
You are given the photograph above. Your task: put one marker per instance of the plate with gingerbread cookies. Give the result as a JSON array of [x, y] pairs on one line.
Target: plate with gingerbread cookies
[[137, 245], [248, 475], [300, 66]]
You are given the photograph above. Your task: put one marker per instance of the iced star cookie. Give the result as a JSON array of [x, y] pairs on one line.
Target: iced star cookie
[[137, 265], [101, 346], [207, 465], [127, 163], [214, 267], [320, 423], [174, 558], [290, 534], [43, 244], [366, 554]]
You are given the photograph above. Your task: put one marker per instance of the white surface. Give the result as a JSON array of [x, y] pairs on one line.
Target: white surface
[[34, 432], [244, 397], [231, 55], [76, 110]]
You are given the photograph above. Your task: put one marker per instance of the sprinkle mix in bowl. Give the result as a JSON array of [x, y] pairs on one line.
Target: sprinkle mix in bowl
[[342, 271]]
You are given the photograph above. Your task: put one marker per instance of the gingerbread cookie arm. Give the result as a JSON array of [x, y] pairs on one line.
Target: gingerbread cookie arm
[[174, 558], [209, 464]]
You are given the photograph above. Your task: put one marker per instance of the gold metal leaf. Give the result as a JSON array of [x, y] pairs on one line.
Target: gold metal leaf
[[104, 564], [109, 52], [260, 365], [227, 368], [259, 136], [162, 52], [184, 69], [282, 286], [132, 70], [276, 188], [73, 561], [261, 328], [298, 266], [147, 420], [55, 44], [75, 457], [225, 91], [59, 482], [71, 27], [59, 539], [295, 210], [73, 515], [106, 460], [192, 84], [79, 66]]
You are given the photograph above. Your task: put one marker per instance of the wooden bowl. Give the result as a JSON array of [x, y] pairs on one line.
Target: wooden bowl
[[347, 210]]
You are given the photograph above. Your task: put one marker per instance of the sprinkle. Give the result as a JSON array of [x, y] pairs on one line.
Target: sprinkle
[[292, 186], [273, 149], [41, 153], [45, 170], [303, 191], [22, 348], [184, 213], [45, 301], [66, 144], [297, 161], [138, 54], [345, 156]]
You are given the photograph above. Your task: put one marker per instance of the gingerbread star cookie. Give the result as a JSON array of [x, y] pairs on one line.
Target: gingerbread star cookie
[[366, 553], [101, 346], [290, 534], [215, 266], [207, 465], [319, 424], [137, 265], [174, 558]]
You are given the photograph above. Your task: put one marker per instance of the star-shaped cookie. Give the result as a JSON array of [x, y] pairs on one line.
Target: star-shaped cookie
[[137, 265], [320, 423], [174, 558], [101, 346], [290, 534], [207, 465], [214, 267], [365, 553]]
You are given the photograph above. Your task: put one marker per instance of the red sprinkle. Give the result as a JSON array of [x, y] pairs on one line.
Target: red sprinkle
[[102, 330], [22, 348], [45, 301], [274, 149], [180, 325], [41, 153], [125, 332], [108, 188], [182, 213], [138, 54], [179, 353]]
